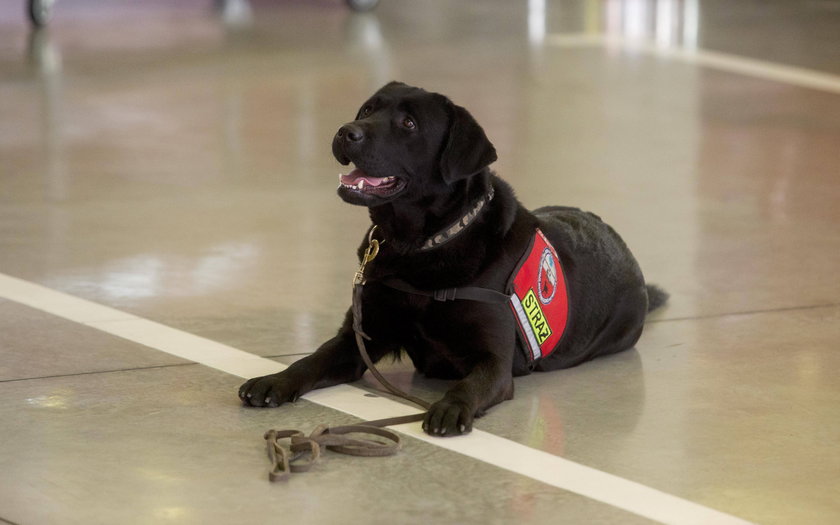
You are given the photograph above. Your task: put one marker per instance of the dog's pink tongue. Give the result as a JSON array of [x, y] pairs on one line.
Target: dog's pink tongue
[[357, 175]]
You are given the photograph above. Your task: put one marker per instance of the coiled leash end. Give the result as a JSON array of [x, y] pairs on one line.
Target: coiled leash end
[[302, 452]]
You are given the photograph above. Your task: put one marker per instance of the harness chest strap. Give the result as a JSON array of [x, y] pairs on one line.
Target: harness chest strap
[[538, 300], [469, 293]]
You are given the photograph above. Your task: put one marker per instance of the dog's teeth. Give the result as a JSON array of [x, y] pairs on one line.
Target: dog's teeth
[[361, 184]]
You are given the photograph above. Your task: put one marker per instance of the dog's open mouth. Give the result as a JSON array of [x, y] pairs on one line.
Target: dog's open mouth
[[359, 181]]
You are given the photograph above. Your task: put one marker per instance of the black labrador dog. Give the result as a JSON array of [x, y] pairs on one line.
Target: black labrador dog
[[468, 283]]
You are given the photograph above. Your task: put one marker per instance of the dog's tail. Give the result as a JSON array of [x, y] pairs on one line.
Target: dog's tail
[[656, 297]]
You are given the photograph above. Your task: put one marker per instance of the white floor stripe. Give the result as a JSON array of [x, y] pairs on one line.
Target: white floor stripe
[[547, 468], [731, 63]]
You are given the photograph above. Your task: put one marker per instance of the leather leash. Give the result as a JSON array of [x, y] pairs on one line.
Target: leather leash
[[303, 451], [285, 460]]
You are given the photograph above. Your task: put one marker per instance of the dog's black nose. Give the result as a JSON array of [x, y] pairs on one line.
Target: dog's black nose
[[351, 133]]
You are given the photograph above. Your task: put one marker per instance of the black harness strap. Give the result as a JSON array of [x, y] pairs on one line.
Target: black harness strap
[[469, 293]]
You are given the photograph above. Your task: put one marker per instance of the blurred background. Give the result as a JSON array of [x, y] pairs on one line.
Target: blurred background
[[151, 122]]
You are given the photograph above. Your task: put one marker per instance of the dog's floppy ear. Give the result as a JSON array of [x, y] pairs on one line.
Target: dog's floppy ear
[[468, 150]]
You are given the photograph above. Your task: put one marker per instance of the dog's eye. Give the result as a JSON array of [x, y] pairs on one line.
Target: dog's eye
[[366, 111], [408, 122]]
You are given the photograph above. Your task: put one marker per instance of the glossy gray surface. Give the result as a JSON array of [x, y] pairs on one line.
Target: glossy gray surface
[[173, 162], [172, 445]]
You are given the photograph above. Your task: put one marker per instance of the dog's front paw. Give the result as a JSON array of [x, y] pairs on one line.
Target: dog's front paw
[[267, 391], [449, 417]]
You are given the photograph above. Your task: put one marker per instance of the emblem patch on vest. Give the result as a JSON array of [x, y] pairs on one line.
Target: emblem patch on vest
[[539, 300]]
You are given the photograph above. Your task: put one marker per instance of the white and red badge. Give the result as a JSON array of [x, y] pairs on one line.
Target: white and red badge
[[539, 300]]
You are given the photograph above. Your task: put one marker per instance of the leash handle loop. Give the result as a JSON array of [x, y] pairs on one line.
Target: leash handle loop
[[285, 460]]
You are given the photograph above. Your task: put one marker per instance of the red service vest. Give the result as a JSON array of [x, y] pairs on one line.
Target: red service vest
[[539, 298]]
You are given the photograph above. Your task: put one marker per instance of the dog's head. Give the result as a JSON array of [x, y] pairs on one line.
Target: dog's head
[[407, 143]]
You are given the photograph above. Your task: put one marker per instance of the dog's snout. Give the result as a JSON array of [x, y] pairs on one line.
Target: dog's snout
[[351, 133]]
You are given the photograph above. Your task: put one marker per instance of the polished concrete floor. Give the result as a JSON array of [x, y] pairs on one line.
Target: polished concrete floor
[[172, 161]]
